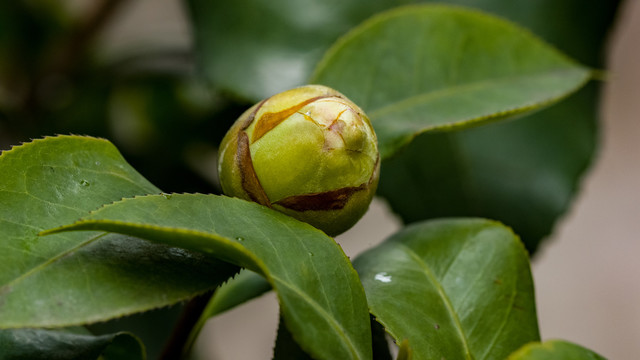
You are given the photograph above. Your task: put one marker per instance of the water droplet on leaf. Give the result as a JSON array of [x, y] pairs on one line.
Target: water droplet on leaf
[[167, 196], [383, 277], [84, 183], [240, 238]]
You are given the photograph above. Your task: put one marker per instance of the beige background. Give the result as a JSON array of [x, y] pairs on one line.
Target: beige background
[[586, 276]]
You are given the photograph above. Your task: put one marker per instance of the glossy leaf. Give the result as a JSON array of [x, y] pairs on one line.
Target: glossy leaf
[[554, 350], [491, 171], [79, 278], [454, 289], [442, 68], [321, 298], [74, 344]]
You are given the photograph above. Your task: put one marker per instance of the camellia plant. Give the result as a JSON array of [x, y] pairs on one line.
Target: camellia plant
[[441, 110]]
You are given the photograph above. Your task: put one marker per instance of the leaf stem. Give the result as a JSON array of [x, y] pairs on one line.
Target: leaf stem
[[193, 309]]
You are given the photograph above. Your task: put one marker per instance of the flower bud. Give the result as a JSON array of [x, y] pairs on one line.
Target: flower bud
[[308, 152]]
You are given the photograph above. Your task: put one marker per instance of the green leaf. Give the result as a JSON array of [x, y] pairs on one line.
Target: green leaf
[[76, 344], [554, 350], [579, 36], [538, 160], [321, 298], [455, 289], [79, 278], [248, 47], [443, 68]]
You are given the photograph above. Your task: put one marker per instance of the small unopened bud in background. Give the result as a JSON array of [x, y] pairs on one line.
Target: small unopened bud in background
[[308, 152]]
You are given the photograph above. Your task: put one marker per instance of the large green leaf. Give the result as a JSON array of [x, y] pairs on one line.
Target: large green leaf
[[441, 68], [523, 173], [455, 289], [79, 278], [554, 350], [321, 298], [68, 344]]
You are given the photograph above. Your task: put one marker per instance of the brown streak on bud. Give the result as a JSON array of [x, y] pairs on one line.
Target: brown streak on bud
[[252, 116], [330, 200], [250, 182], [270, 120]]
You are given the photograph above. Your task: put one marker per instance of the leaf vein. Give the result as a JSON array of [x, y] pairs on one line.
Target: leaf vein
[[445, 299]]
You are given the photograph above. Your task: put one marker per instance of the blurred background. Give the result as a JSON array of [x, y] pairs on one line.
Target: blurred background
[[125, 70]]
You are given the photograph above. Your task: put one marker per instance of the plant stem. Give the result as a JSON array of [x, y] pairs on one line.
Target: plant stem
[[192, 311]]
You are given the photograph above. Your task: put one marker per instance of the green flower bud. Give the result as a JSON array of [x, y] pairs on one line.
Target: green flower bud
[[308, 152]]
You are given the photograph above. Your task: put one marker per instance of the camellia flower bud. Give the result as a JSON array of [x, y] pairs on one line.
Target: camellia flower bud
[[308, 152]]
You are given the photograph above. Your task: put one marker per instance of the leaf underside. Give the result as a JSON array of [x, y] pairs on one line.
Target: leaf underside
[[68, 344]]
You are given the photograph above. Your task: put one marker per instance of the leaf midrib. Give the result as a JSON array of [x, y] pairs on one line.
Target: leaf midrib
[[52, 260], [445, 299], [333, 323], [472, 86]]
